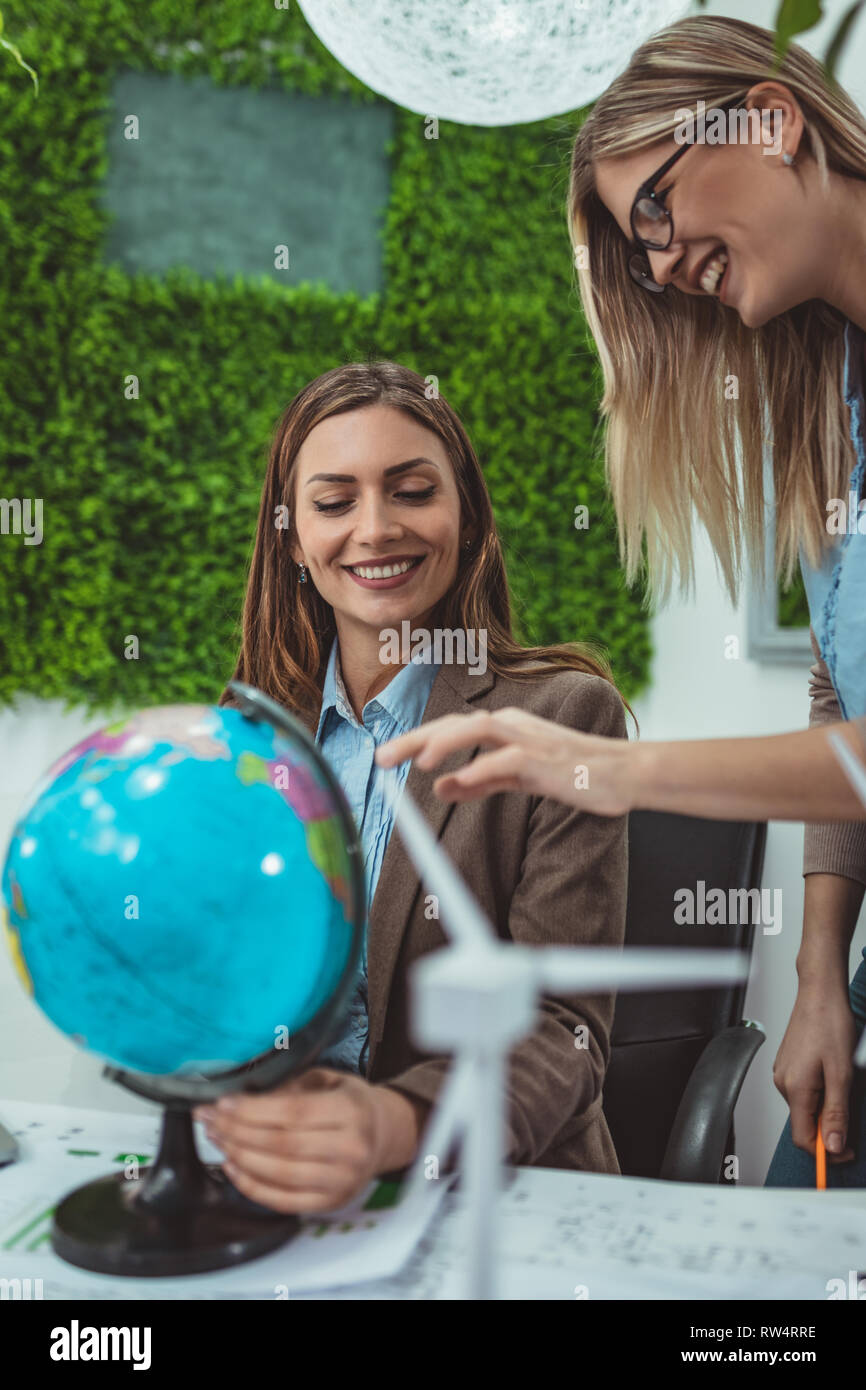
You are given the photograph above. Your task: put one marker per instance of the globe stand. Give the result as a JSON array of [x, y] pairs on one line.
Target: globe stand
[[180, 1216]]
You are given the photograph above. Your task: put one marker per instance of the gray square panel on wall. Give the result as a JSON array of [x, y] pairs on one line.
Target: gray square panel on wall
[[220, 176]]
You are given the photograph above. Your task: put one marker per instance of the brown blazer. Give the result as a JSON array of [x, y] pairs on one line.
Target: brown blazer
[[544, 873]]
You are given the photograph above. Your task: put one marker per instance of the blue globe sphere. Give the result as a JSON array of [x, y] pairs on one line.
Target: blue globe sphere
[[178, 891]]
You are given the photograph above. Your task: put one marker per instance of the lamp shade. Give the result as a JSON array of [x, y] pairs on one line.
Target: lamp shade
[[487, 62]]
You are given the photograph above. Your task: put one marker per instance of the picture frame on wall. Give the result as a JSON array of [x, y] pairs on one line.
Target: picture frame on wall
[[777, 626]]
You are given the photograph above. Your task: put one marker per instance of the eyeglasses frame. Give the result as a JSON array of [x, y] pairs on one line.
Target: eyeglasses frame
[[647, 190]]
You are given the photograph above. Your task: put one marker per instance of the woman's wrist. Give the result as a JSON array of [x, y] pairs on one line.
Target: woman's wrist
[[642, 776], [821, 969], [822, 960], [399, 1125]]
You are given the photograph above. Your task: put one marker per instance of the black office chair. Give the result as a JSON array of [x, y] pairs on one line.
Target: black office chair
[[679, 1057]]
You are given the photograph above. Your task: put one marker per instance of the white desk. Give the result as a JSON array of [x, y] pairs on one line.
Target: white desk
[[562, 1235]]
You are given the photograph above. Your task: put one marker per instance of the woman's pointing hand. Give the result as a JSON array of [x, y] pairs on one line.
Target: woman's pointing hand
[[526, 754]]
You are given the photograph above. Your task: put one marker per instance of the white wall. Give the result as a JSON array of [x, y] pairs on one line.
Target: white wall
[[695, 692]]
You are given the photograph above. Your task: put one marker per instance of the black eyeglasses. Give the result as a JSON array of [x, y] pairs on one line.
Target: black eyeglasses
[[652, 223]]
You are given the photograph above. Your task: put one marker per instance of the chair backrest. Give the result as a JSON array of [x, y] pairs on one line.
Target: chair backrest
[[658, 1037]]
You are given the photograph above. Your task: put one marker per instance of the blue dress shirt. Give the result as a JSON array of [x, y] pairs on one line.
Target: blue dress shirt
[[836, 590], [349, 746]]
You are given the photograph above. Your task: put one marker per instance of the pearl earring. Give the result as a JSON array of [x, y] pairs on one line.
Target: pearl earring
[[303, 574]]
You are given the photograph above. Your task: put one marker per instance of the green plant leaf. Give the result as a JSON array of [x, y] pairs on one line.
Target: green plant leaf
[[4, 43], [795, 17], [839, 39]]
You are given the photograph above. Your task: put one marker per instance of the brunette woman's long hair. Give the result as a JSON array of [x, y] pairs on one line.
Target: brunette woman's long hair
[[288, 628]]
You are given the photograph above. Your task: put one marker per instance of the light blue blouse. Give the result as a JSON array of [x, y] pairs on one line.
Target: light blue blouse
[[836, 591], [349, 746]]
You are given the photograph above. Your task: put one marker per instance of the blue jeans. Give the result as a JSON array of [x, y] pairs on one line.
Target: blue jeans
[[790, 1166]]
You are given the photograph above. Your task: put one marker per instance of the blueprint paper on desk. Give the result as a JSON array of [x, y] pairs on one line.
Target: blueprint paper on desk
[[591, 1235], [61, 1148], [561, 1235]]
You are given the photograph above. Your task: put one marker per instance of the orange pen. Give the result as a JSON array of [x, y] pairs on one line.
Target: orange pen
[[820, 1157]]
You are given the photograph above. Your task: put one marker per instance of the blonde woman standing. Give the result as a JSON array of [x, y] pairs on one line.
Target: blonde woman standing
[[717, 211]]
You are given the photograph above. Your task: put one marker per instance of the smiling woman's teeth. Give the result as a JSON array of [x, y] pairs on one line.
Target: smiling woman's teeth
[[713, 273], [381, 571]]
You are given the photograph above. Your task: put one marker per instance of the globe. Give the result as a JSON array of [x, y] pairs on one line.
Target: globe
[[181, 891]]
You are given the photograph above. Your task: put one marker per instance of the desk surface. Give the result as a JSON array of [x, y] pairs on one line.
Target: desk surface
[[561, 1235]]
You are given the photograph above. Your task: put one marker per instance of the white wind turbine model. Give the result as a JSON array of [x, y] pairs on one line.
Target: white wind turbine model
[[478, 996]]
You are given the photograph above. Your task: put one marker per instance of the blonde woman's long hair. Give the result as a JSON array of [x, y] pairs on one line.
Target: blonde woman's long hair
[[671, 438]]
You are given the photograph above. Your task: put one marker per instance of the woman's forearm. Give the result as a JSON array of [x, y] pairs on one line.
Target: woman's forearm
[[780, 777], [831, 907]]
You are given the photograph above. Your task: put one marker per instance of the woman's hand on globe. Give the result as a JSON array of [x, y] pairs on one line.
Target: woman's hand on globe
[[527, 754], [315, 1142]]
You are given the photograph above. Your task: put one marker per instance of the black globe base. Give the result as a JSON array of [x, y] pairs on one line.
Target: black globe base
[[179, 1216]]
